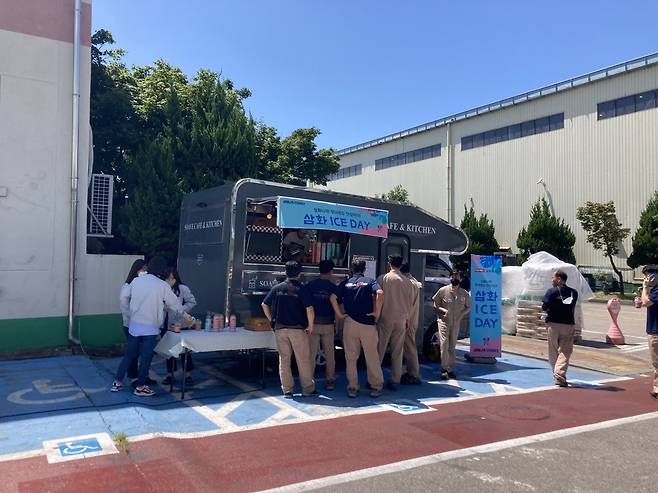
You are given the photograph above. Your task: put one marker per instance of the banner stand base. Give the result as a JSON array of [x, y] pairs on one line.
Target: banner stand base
[[483, 360]]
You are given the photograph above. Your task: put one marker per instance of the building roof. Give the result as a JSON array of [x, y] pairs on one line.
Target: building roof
[[565, 85]]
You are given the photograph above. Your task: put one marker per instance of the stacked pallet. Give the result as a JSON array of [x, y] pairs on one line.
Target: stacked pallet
[[529, 321]]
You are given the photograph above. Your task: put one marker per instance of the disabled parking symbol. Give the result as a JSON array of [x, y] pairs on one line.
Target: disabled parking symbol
[[78, 447]]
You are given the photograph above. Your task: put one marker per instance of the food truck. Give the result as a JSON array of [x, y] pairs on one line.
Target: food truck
[[235, 239]]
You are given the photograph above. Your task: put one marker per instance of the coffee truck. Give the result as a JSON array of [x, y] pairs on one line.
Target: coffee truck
[[235, 239]]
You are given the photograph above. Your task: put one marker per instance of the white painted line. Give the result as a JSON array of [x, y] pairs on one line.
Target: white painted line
[[22, 455], [455, 454], [605, 333]]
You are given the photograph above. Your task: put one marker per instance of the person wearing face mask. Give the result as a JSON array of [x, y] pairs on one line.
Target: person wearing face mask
[[560, 303], [452, 304], [188, 301]]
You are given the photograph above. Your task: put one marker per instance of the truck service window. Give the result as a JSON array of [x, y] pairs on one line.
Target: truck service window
[[266, 243]]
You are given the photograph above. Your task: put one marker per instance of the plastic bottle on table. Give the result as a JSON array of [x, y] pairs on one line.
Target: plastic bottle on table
[[208, 324], [220, 322], [233, 323]]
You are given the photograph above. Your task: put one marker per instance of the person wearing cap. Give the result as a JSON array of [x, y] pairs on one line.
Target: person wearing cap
[[325, 305], [650, 301], [395, 318], [289, 308], [452, 304], [560, 304], [412, 376], [361, 297]]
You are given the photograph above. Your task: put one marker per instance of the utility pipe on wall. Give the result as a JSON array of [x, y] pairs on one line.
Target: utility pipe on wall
[[75, 137], [450, 212]]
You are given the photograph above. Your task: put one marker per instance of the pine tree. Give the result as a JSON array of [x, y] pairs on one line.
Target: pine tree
[[645, 239], [547, 233], [150, 217], [481, 238]]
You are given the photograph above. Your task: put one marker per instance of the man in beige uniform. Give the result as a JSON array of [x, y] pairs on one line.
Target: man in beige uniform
[[412, 376], [452, 303], [395, 317]]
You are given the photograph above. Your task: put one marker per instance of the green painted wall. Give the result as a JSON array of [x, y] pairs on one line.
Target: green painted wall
[[30, 334]]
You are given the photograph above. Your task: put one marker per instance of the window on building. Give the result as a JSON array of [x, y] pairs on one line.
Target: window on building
[[624, 106], [645, 101], [514, 131], [628, 104], [408, 157], [557, 121], [489, 137], [467, 142], [502, 134], [478, 140], [346, 172], [528, 128], [542, 125]]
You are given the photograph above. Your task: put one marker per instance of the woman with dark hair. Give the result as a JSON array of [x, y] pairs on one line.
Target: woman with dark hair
[[147, 297], [187, 300], [138, 268]]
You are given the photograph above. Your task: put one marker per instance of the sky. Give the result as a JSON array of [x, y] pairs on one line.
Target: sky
[[361, 69]]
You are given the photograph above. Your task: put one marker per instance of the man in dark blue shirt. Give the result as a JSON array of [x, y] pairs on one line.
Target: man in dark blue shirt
[[560, 304], [289, 308], [650, 300], [325, 305], [362, 298]]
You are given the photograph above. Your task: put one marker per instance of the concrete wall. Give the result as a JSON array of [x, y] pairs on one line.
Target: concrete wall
[[589, 159], [36, 62]]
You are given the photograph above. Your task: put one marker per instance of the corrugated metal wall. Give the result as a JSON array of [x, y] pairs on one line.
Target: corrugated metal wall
[[589, 159]]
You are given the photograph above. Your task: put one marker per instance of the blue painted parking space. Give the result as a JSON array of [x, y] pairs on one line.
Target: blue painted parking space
[[55, 398]]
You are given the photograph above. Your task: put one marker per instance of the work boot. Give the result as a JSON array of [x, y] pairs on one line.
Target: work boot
[[330, 385], [352, 393], [375, 393]]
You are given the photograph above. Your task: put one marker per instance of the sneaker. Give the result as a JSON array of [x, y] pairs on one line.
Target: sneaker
[[390, 386], [116, 386], [561, 383], [143, 391], [287, 395], [375, 393], [443, 375], [330, 385], [451, 375], [167, 380], [315, 393], [352, 393]]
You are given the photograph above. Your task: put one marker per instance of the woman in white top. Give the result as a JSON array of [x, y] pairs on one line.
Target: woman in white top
[[187, 300], [147, 297], [138, 268]]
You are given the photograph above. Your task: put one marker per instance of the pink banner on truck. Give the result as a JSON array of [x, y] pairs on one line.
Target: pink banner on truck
[[486, 306]]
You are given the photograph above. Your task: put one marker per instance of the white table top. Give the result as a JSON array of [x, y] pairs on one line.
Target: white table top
[[199, 341]]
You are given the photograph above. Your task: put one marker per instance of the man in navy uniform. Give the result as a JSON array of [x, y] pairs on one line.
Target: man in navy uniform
[[289, 308], [362, 298], [325, 305]]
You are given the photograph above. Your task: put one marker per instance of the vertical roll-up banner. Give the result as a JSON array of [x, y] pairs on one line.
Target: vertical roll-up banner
[[486, 306]]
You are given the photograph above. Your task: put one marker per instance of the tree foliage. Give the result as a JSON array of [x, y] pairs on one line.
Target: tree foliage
[[397, 193], [645, 239], [547, 233], [200, 130], [604, 231], [481, 238]]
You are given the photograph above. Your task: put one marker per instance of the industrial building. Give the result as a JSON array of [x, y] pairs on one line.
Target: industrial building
[[51, 291], [592, 137]]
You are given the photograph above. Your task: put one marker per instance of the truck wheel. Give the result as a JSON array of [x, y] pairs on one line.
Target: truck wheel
[[431, 344]]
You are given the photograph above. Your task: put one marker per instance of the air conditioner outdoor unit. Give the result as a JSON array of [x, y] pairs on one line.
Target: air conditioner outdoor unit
[[100, 206]]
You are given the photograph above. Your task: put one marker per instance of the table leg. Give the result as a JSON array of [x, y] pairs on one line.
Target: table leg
[[184, 373], [171, 375]]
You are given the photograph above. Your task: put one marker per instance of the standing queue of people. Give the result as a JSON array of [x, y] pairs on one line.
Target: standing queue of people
[[378, 314], [152, 298]]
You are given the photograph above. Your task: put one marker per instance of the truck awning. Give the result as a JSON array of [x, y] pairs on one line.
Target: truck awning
[[293, 212]]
